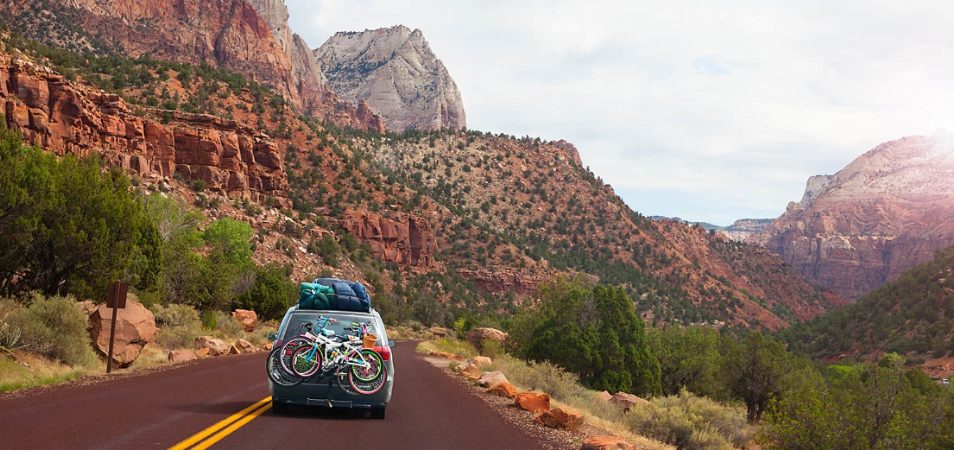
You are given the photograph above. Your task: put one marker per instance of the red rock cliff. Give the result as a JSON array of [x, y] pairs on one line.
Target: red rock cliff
[[400, 238], [64, 117]]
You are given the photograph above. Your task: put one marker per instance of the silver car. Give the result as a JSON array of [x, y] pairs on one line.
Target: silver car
[[323, 390]]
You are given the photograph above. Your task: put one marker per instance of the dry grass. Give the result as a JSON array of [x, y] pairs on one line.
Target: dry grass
[[685, 421], [178, 327], [453, 346], [37, 371]]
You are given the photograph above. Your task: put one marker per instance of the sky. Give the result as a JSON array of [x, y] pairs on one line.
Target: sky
[[705, 110]]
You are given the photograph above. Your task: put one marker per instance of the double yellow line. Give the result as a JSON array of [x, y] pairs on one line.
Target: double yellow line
[[209, 436]]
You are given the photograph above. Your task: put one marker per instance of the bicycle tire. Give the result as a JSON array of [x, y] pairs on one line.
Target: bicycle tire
[[288, 349], [371, 386], [372, 373], [276, 373], [310, 366]]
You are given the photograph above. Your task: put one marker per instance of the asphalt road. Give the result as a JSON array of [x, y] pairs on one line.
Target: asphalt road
[[157, 410]]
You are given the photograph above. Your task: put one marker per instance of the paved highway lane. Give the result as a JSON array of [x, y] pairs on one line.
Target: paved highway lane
[[428, 410]]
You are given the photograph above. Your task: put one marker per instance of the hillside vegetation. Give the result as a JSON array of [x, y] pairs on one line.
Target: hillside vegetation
[[914, 314]]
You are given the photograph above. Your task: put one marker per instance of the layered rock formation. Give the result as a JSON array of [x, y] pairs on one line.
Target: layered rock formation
[[65, 117], [395, 71], [887, 211], [397, 237], [741, 229], [232, 34], [503, 279]]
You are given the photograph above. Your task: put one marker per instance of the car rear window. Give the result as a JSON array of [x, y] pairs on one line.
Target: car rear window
[[344, 321]]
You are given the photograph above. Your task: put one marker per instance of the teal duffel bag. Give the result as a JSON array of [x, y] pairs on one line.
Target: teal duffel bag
[[314, 296]]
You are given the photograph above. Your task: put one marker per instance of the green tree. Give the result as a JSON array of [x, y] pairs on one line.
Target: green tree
[[693, 358], [592, 331], [756, 366], [868, 406], [67, 225], [230, 240]]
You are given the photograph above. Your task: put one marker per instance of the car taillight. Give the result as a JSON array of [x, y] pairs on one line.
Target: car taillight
[[385, 352]]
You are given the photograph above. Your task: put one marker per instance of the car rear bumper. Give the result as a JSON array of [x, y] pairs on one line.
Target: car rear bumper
[[323, 394]]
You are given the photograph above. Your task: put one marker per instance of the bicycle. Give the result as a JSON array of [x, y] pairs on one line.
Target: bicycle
[[305, 355]]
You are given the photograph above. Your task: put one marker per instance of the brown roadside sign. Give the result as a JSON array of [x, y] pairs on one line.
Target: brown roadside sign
[[116, 295]]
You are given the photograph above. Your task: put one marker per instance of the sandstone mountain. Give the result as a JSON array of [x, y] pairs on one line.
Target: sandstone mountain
[[250, 38], [528, 206], [395, 71], [887, 211], [432, 221]]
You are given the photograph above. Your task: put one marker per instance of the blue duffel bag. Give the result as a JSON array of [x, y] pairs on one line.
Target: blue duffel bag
[[347, 300]]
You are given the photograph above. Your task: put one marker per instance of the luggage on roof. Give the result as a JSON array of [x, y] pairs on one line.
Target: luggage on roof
[[334, 294], [315, 296]]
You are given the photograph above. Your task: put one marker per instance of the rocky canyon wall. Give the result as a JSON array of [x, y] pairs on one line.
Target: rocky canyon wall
[[63, 117]]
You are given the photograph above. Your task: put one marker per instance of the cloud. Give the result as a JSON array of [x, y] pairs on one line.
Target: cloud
[[689, 108]]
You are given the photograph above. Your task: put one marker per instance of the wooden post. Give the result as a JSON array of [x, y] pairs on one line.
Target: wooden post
[[115, 299], [112, 336]]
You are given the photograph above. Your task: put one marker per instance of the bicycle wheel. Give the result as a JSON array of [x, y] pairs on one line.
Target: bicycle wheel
[[276, 373], [288, 349], [367, 387], [306, 360], [373, 371]]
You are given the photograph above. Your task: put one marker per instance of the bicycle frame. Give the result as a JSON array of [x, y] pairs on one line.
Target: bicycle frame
[[333, 357]]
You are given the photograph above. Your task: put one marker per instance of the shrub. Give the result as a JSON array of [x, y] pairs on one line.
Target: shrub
[[198, 185], [272, 293], [9, 334], [691, 422], [491, 348], [327, 248], [226, 326], [55, 327], [179, 325]]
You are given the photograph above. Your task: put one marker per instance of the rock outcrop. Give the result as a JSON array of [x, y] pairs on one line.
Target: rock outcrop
[[626, 401], [215, 347], [248, 37], [887, 211], [742, 229], [606, 443], [396, 237], [63, 117], [181, 356], [397, 74], [504, 389], [478, 336], [135, 327], [559, 418], [503, 279], [248, 319], [491, 379], [532, 401]]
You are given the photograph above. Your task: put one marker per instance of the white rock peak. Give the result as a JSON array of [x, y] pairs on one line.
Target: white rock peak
[[395, 71]]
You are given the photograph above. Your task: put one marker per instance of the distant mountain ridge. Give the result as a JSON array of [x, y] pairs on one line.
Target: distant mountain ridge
[[739, 230], [887, 211]]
